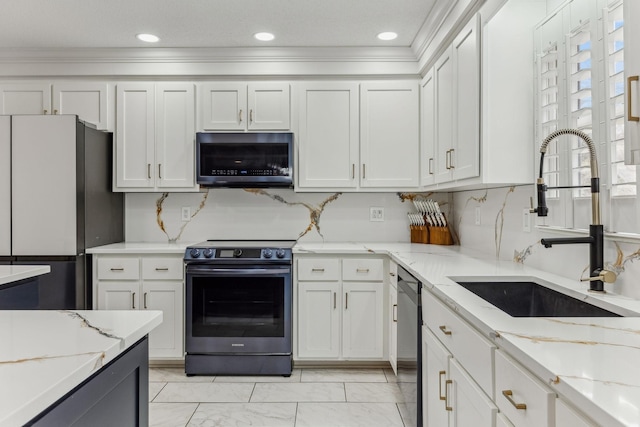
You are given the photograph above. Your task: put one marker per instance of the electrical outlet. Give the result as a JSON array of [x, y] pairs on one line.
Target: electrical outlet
[[477, 215], [526, 220], [186, 213], [376, 214]]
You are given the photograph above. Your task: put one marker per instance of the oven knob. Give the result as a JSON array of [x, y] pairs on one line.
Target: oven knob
[[237, 253], [280, 253], [267, 253], [195, 253], [208, 253]]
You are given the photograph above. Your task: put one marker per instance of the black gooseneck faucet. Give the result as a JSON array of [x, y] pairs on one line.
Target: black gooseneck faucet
[[597, 273]]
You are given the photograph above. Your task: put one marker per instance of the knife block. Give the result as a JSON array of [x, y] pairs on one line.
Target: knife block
[[440, 235], [419, 233]]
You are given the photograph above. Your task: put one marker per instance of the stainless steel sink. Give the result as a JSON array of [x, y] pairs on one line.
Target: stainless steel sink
[[530, 299]]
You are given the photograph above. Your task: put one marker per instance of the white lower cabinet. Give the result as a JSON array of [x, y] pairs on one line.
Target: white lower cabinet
[[469, 405], [435, 377], [567, 416], [393, 322], [141, 282], [338, 317]]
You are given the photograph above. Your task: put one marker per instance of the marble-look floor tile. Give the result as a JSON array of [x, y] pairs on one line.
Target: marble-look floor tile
[[170, 414], [205, 392], [245, 414], [298, 392], [176, 375], [371, 392], [343, 375], [390, 375], [294, 378], [154, 389], [348, 415]]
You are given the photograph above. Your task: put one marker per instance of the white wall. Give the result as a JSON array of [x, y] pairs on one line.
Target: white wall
[[238, 214], [501, 226]]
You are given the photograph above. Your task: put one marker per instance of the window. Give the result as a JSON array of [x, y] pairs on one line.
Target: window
[[580, 84]]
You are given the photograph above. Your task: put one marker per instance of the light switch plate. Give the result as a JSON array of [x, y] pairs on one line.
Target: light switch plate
[[477, 215], [186, 213]]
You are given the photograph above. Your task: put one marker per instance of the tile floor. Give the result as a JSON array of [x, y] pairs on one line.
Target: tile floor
[[309, 398]]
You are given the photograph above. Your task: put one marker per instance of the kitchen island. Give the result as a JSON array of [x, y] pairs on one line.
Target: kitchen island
[[590, 363], [14, 273], [57, 367]]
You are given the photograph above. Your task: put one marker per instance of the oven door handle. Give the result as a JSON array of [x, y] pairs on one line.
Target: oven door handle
[[236, 271]]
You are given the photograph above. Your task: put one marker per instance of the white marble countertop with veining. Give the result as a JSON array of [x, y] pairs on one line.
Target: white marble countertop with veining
[[44, 354], [591, 361], [13, 273], [141, 248]]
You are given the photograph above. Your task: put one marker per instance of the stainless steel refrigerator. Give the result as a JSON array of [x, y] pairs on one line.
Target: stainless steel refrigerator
[[56, 202]]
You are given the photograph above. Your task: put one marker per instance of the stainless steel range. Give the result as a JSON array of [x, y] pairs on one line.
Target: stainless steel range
[[238, 308]]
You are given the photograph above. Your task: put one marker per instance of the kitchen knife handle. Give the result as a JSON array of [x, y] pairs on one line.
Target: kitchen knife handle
[[133, 300]]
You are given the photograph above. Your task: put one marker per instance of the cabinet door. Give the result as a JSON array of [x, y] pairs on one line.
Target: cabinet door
[[362, 330], [470, 406], [223, 106], [118, 295], [166, 340], [435, 373], [319, 306], [135, 135], [87, 100], [567, 416], [631, 72], [269, 106], [465, 157], [443, 71], [25, 98], [393, 328], [328, 138], [389, 142], [428, 136], [175, 133]]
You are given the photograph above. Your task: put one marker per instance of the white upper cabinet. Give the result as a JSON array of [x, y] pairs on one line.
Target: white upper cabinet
[[5, 186], [328, 136], [155, 137], [428, 129], [443, 73], [88, 100], [240, 106], [389, 134]]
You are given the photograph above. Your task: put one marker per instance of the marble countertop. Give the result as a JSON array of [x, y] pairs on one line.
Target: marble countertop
[[45, 354], [13, 273], [141, 248], [591, 361]]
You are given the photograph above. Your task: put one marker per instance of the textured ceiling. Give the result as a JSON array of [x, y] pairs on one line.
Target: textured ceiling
[[208, 23]]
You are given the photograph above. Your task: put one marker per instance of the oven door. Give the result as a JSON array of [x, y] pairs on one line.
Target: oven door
[[238, 309]]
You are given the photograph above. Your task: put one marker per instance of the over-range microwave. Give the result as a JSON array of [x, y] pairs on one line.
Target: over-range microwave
[[244, 160]]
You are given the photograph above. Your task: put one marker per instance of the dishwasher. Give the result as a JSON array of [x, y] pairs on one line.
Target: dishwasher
[[410, 346]]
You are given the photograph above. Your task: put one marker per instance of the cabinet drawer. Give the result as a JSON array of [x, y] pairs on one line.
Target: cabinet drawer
[[362, 269], [162, 268], [320, 269], [471, 349], [516, 387], [118, 268]]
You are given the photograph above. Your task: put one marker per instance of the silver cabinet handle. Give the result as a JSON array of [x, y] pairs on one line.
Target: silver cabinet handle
[[149, 170], [317, 270], [362, 270], [251, 116], [334, 300], [364, 171], [431, 166], [451, 158], [144, 297], [117, 269], [395, 313], [353, 171], [133, 300], [508, 394], [240, 116], [346, 300], [159, 170], [447, 159], [162, 268]]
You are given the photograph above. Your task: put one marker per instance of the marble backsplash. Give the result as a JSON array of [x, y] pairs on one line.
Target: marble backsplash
[[501, 232], [269, 214]]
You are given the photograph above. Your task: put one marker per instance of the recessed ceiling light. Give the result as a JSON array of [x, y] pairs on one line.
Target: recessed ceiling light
[[264, 37], [149, 38], [389, 35]]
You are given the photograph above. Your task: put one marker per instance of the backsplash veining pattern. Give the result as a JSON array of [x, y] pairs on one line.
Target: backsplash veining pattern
[[506, 236], [160, 222]]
